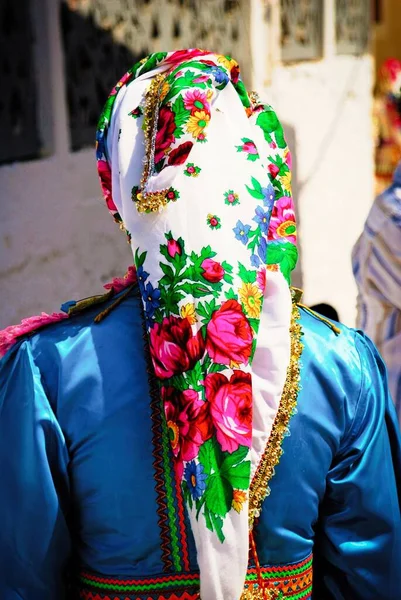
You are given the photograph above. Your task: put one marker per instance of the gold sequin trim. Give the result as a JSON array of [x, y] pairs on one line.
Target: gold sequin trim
[[260, 483], [253, 592], [151, 201]]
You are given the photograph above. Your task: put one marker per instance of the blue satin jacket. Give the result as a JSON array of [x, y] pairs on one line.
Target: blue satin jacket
[[88, 507]]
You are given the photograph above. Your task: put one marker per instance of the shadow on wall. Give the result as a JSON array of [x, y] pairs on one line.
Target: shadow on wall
[[297, 276], [93, 63]]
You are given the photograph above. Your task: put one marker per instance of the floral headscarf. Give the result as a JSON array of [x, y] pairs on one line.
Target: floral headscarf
[[389, 78], [198, 174]]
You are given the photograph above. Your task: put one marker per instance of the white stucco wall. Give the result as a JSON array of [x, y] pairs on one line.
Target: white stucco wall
[[58, 242], [327, 106]]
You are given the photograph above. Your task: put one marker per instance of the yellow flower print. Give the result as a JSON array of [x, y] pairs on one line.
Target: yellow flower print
[[239, 497], [286, 181], [227, 62], [164, 91], [251, 298], [197, 123], [234, 365], [187, 311]]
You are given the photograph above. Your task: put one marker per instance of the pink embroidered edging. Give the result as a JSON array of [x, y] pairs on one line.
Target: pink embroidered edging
[[120, 283], [9, 335]]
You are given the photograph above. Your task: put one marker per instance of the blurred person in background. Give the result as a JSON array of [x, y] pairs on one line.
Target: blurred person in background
[[376, 261], [144, 447], [387, 122]]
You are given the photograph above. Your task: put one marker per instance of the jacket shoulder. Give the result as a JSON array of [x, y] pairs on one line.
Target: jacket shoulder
[[71, 311]]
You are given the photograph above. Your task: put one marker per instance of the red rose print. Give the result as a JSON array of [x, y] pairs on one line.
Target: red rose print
[[273, 170], [173, 347], [212, 270], [179, 155], [165, 132], [188, 421]]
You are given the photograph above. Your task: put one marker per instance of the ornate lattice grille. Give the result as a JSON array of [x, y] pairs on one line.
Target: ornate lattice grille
[[301, 29], [352, 26], [103, 38], [19, 138]]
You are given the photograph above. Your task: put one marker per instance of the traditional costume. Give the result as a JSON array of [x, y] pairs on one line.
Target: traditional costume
[[144, 438]]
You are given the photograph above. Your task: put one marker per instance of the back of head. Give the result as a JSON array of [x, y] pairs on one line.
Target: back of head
[[197, 172]]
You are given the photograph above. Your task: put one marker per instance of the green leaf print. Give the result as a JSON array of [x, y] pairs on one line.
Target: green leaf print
[[284, 254], [168, 275], [151, 63], [210, 455], [238, 476], [218, 526], [231, 295], [256, 190], [181, 116], [139, 258], [269, 123], [219, 495], [245, 275], [234, 458]]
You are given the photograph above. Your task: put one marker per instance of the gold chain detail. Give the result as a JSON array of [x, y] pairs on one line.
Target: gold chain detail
[[260, 483]]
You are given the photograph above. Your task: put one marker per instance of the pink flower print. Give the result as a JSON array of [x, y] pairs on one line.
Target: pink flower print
[[273, 170], [104, 171], [282, 223], [195, 100], [191, 170], [229, 336], [261, 279], [231, 198], [250, 148], [201, 78], [173, 248], [231, 408]]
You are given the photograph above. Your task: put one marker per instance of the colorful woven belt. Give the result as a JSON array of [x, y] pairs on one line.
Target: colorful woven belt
[[285, 581]]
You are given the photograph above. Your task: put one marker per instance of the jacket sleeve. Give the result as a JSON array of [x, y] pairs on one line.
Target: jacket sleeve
[[360, 538], [34, 490]]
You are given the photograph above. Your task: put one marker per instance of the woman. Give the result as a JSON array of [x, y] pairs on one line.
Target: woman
[[387, 120], [150, 458]]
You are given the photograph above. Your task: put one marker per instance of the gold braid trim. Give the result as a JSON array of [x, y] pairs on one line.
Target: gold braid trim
[[259, 488]]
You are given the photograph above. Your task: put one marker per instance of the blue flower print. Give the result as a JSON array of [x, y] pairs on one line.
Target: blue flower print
[[142, 277], [152, 298], [262, 218], [241, 232], [269, 196], [255, 262], [100, 152], [196, 479], [219, 75], [262, 250]]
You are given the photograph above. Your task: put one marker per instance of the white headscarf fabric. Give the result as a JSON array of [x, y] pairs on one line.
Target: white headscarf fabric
[[199, 177]]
